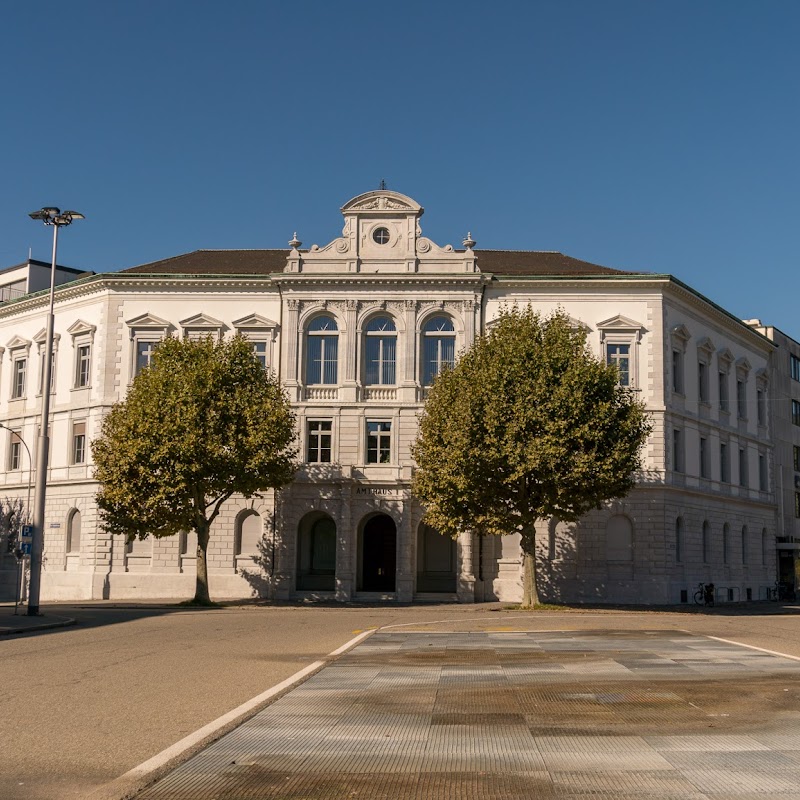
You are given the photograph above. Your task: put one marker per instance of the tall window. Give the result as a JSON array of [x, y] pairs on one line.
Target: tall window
[[743, 467], [52, 371], [706, 543], [741, 399], [795, 412], [379, 442], [19, 377], [762, 473], [82, 362], [438, 348], [704, 459], [761, 406], [794, 367], [744, 544], [260, 352], [796, 457], [677, 450], [726, 536], [322, 351], [78, 442], [144, 354], [724, 403], [679, 539], [15, 451], [319, 441], [797, 504], [677, 371], [702, 381], [620, 356], [764, 538], [380, 346], [724, 463]]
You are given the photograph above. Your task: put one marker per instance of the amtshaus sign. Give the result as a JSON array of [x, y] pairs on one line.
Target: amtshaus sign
[[380, 491]]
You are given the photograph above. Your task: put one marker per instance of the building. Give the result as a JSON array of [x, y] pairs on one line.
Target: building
[[357, 329]]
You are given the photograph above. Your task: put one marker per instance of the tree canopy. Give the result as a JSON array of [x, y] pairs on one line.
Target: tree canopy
[[528, 425], [203, 422]]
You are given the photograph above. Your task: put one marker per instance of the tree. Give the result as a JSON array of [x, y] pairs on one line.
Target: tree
[[529, 424], [203, 422]]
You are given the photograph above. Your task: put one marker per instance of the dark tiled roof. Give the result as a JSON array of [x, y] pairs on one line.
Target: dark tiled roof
[[535, 262], [262, 262], [217, 262]]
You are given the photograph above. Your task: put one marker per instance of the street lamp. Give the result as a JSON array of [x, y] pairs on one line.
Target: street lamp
[[58, 219]]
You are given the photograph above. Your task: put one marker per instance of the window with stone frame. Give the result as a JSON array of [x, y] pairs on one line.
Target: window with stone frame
[[743, 477], [146, 332], [705, 348], [261, 332], [796, 457], [78, 455], [705, 460], [41, 343], [438, 347], [82, 334], [379, 442], [679, 338], [742, 373], [19, 376], [15, 450], [795, 412], [619, 340], [380, 352], [794, 367], [724, 463], [763, 477], [706, 542], [319, 435], [322, 351], [677, 450], [724, 363]]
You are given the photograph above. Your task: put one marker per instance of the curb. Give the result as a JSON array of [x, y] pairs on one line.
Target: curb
[[64, 622]]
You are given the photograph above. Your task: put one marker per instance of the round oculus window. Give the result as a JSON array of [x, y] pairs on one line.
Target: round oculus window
[[381, 236]]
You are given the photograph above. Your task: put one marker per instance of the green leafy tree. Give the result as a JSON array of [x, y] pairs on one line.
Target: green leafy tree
[[529, 424], [203, 422]]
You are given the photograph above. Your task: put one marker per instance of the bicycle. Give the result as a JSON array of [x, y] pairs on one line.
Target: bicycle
[[704, 596]]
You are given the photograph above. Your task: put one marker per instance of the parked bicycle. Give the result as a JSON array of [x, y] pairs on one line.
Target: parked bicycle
[[704, 596]]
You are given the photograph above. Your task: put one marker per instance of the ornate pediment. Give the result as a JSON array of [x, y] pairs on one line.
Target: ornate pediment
[[18, 343], [725, 358], [150, 322], [706, 345], [381, 200], [620, 323], [41, 337], [80, 328], [254, 321], [681, 333], [743, 366], [202, 321]]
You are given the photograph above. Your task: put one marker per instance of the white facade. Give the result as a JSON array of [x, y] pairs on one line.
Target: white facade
[[354, 329]]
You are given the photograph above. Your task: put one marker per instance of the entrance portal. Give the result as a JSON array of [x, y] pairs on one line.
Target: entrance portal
[[378, 554]]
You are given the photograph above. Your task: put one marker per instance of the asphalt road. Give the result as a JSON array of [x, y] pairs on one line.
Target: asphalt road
[[83, 705]]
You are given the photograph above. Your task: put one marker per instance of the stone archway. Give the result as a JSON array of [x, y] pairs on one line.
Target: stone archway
[[378, 555]]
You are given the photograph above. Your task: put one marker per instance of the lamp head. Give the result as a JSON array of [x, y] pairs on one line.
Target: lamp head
[[51, 215]]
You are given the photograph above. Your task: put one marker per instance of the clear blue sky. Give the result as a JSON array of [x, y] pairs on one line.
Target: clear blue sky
[[641, 135]]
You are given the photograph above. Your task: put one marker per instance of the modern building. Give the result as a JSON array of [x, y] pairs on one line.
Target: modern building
[[357, 329]]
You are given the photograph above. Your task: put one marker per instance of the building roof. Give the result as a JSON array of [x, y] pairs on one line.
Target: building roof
[[261, 262], [37, 263]]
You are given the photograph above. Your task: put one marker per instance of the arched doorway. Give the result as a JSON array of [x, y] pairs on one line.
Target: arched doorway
[[316, 553], [378, 554], [436, 561]]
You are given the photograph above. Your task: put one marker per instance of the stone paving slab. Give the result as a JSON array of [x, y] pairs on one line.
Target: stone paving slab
[[491, 716]]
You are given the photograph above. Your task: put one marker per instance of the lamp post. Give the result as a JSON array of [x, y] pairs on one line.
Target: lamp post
[[58, 219]]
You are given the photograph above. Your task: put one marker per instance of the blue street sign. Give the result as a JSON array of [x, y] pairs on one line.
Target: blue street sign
[[27, 531], [25, 547]]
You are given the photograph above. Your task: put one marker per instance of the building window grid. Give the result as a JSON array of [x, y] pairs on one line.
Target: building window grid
[[260, 351], [439, 347], [145, 348], [79, 443], [15, 451], [379, 442], [19, 377], [322, 352], [380, 350], [319, 439]]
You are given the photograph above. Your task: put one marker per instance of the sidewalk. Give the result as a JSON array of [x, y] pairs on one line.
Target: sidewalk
[[20, 622]]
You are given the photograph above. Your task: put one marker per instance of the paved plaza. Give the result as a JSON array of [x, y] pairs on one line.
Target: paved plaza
[[657, 714]]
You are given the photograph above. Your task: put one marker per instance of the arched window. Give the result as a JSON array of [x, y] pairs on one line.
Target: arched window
[[744, 544], [706, 542], [619, 539], [248, 535], [679, 540], [438, 347], [322, 351], [380, 345], [726, 535], [74, 532]]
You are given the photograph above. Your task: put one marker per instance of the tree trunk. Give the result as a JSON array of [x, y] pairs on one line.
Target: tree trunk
[[201, 595], [530, 593]]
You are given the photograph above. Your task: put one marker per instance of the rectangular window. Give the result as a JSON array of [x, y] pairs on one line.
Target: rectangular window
[[78, 442], [704, 461], [743, 467], [144, 355], [762, 473], [796, 457], [260, 352], [620, 356], [702, 381], [15, 451], [323, 358], [724, 466], [741, 408], [677, 450], [677, 371], [795, 412], [379, 442], [83, 357], [724, 403], [761, 406], [379, 354], [52, 372], [319, 442], [19, 377], [794, 367]]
